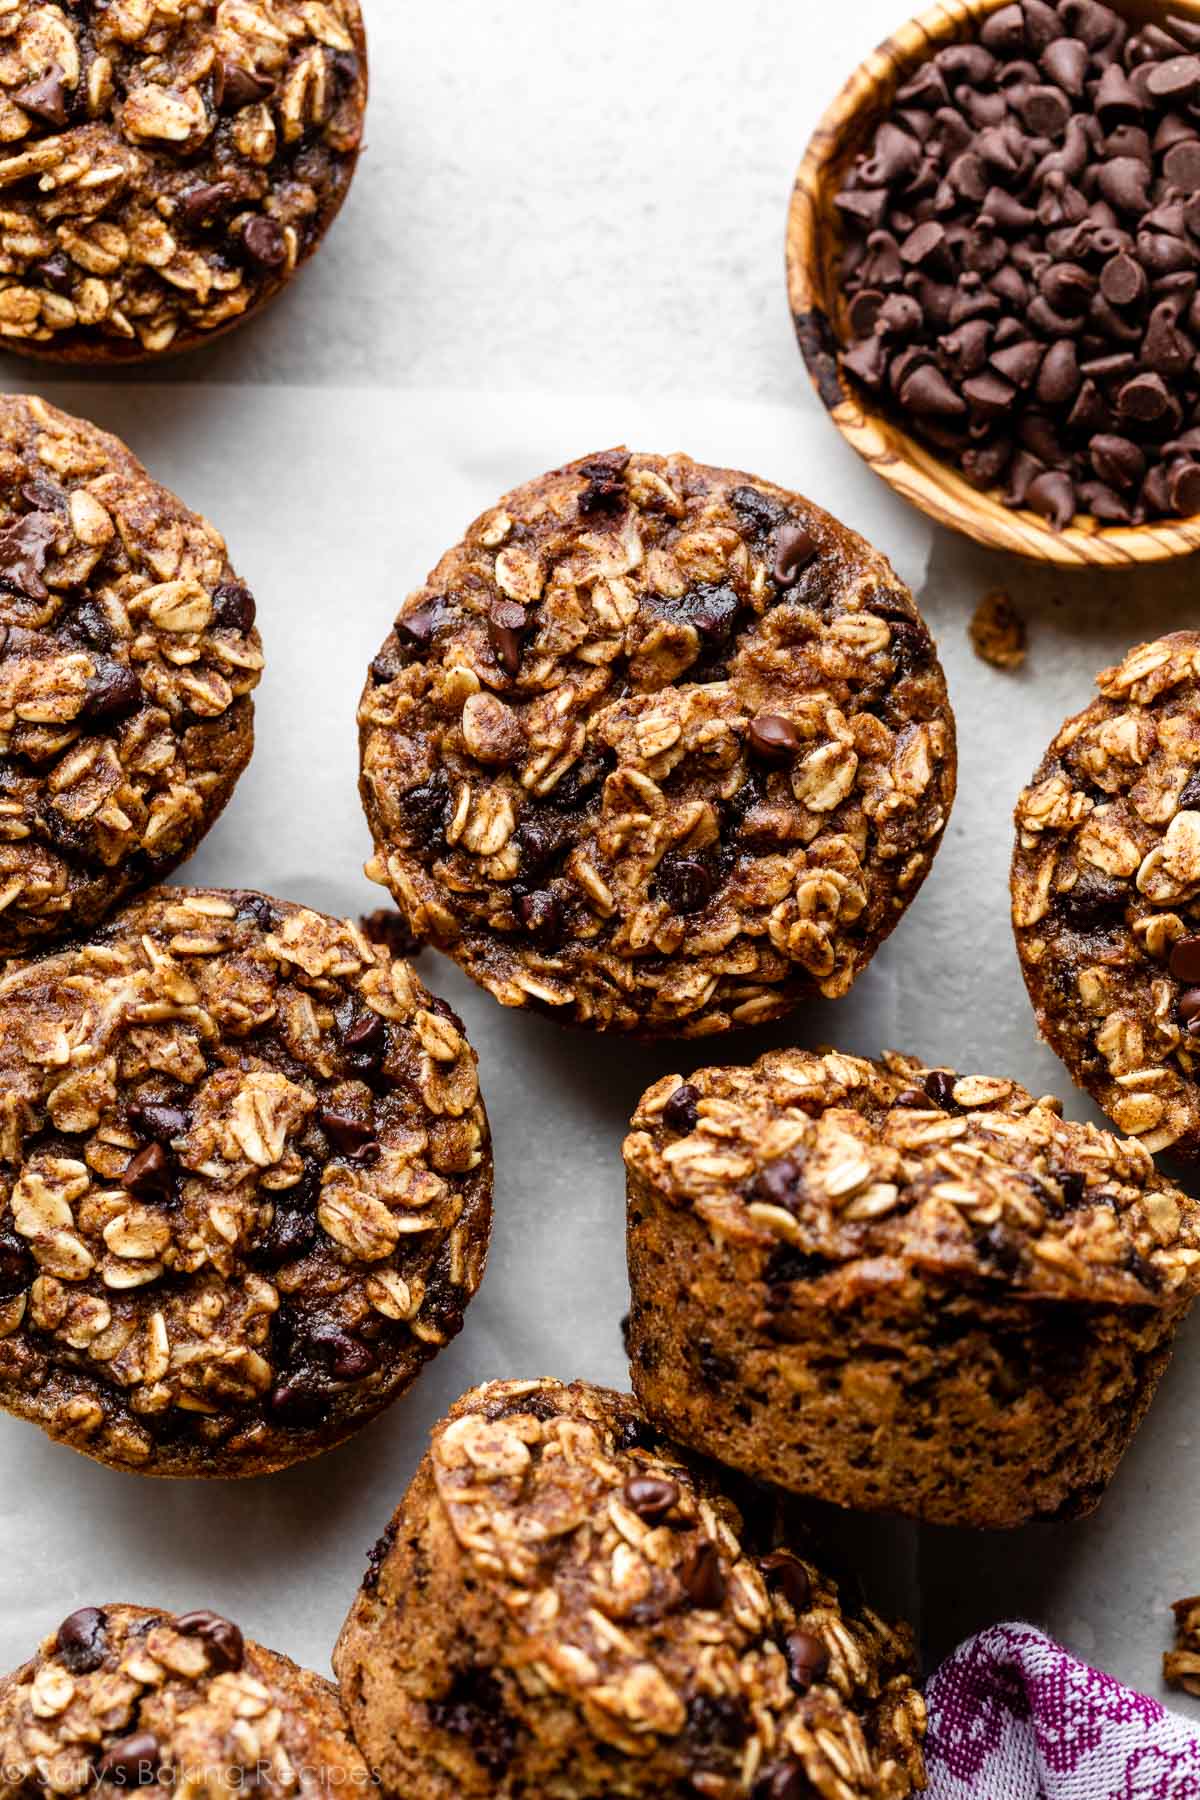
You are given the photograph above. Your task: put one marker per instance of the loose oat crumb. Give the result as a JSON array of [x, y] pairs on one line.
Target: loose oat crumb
[[998, 632], [1181, 1666]]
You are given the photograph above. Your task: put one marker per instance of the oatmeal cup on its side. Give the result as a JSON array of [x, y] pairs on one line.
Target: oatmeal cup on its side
[[166, 169], [899, 1289], [245, 1184], [657, 748], [1106, 894], [124, 1697], [563, 1606], [128, 658]]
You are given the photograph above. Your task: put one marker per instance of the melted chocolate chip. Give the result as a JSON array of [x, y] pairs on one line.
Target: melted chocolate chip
[[221, 1638], [1185, 960], [540, 914], [346, 1358], [785, 1574], [507, 625], [348, 1132], [605, 492], [206, 204], [940, 1085], [148, 1174], [795, 548], [82, 1641], [265, 243], [773, 738], [474, 1710], [682, 1109], [781, 1183], [24, 550], [17, 1267], [113, 693], [132, 1762], [46, 99], [233, 607], [377, 1555], [240, 87], [807, 1660], [154, 1119], [702, 1576], [716, 1722], [650, 1496], [785, 1781], [684, 883]]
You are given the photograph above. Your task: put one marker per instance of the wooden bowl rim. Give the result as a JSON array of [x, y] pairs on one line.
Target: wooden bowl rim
[[914, 470]]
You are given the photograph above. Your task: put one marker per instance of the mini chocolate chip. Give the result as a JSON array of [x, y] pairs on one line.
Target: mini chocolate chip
[[807, 1660], [233, 607], [347, 1131], [702, 1577], [113, 693], [682, 1109], [507, 625], [148, 1174], [684, 884], [132, 1762], [415, 629], [1122, 280], [205, 204], [1052, 495], [1184, 486], [650, 1496], [265, 242], [1189, 1009], [55, 270], [45, 99], [297, 1403], [221, 1637], [24, 548], [82, 1640], [785, 1781], [779, 1183], [1185, 960], [940, 1087], [347, 1358], [1176, 79], [795, 548], [773, 738], [366, 1036], [916, 1098], [540, 913], [159, 1121], [786, 1573], [242, 87]]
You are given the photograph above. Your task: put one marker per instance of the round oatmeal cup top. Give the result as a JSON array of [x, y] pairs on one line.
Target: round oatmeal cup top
[[658, 748], [245, 1180], [128, 657], [166, 169], [128, 1697], [1106, 894]]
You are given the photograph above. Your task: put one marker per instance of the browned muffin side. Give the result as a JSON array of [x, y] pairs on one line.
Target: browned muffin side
[[245, 1184], [897, 1288], [124, 1697], [563, 1606], [1106, 894], [657, 748]]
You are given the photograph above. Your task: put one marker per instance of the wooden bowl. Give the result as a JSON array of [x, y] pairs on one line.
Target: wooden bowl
[[814, 259]]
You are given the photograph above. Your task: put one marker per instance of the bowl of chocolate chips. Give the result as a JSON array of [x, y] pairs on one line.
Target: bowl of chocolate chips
[[994, 272]]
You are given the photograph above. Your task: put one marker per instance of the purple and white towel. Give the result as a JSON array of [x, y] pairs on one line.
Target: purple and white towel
[[1013, 1716]]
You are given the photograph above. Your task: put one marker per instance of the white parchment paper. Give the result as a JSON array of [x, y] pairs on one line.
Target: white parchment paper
[[567, 234]]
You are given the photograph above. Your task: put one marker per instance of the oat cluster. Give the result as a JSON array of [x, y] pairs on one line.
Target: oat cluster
[[245, 1183], [1181, 1666], [961, 1176], [1106, 893], [165, 165], [128, 656], [657, 747], [128, 1697], [611, 1579]]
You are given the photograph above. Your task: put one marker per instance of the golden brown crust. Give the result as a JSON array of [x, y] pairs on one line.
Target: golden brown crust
[[128, 657], [185, 162], [892, 1287], [658, 747], [563, 1606], [123, 1696], [245, 1184], [1106, 893]]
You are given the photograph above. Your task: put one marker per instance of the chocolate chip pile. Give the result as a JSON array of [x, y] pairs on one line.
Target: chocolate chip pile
[[1023, 259]]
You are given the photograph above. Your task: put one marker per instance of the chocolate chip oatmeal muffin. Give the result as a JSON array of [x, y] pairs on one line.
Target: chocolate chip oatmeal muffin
[[245, 1184], [124, 1697], [659, 748], [562, 1606], [896, 1288], [1106, 894], [128, 656], [167, 168]]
